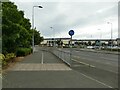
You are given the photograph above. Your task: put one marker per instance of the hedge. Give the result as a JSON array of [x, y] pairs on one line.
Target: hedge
[[23, 51]]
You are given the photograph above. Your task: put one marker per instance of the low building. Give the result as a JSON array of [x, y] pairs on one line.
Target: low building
[[66, 41], [118, 41]]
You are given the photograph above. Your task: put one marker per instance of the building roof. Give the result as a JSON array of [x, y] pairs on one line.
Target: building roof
[[56, 38], [80, 39]]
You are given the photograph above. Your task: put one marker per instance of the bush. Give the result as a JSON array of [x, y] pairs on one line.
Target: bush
[[2, 59], [9, 56], [23, 51]]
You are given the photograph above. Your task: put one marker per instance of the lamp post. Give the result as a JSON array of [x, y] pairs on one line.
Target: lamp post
[[33, 25], [53, 36], [100, 34], [111, 34], [100, 38]]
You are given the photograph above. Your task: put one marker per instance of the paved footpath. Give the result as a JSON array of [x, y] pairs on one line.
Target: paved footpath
[[51, 72]]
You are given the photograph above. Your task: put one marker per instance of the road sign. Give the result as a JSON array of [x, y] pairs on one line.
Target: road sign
[[71, 32]]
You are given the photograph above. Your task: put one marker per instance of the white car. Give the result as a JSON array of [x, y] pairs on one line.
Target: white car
[[90, 47]]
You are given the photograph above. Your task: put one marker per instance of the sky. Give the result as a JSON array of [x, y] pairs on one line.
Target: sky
[[87, 18]]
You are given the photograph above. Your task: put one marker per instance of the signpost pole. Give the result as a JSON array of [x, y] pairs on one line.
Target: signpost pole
[[71, 33], [71, 50]]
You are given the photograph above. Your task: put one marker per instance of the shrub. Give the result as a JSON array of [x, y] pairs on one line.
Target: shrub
[[9, 56], [23, 51], [2, 59]]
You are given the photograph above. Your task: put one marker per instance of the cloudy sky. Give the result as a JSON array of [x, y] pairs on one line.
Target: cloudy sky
[[87, 19]]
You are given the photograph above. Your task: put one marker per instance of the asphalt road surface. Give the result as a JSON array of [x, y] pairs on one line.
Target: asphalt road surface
[[51, 72], [100, 66]]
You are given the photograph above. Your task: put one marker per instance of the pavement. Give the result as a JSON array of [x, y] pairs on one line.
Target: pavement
[[44, 70]]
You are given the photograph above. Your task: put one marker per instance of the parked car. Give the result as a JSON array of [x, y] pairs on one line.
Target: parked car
[[96, 47], [90, 47]]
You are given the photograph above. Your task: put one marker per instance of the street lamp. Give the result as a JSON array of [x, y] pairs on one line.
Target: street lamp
[[54, 36], [100, 38], [100, 34], [33, 25], [111, 33]]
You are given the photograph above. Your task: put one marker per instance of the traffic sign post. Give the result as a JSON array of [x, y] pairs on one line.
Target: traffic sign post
[[71, 33]]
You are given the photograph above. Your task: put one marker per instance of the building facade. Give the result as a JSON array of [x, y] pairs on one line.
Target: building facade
[[76, 42]]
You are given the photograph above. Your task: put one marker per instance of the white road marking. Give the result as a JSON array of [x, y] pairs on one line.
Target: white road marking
[[92, 59], [96, 80], [83, 63], [109, 59], [89, 64]]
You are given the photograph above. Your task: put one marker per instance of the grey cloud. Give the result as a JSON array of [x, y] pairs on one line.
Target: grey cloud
[[75, 15]]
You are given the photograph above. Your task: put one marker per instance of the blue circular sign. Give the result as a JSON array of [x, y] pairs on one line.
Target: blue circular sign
[[71, 32]]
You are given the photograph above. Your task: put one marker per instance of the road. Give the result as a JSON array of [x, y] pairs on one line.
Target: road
[[100, 60], [52, 72], [100, 66]]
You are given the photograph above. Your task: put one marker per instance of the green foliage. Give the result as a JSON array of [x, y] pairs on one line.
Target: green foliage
[[23, 51], [2, 57], [37, 37], [16, 29], [9, 56], [25, 23], [5, 59], [23, 38]]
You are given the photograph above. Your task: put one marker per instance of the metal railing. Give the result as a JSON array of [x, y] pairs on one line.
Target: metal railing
[[65, 56]]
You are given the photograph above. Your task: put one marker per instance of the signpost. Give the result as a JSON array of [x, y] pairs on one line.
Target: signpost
[[71, 33]]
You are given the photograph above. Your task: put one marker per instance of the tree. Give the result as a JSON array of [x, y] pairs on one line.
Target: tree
[[37, 37], [10, 26], [16, 29], [89, 43]]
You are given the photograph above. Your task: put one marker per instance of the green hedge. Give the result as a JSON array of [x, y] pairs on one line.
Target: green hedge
[[23, 51]]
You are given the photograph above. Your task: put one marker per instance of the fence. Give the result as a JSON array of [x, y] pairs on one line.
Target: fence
[[65, 56]]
